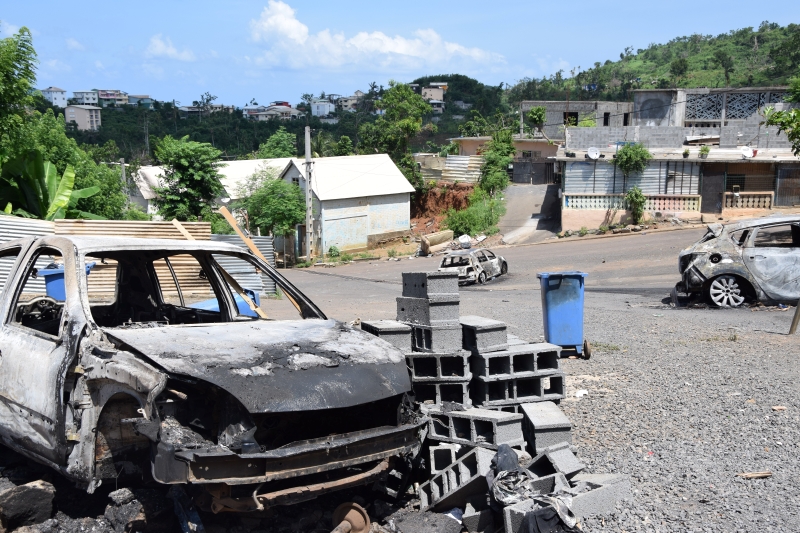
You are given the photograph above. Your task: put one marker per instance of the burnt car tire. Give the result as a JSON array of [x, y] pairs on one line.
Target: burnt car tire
[[726, 291], [504, 268], [482, 278]]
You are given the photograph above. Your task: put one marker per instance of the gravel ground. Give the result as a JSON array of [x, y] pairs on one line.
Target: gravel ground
[[681, 400]]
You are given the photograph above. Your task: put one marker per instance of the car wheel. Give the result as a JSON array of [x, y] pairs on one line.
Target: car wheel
[[504, 268], [726, 291], [482, 278]]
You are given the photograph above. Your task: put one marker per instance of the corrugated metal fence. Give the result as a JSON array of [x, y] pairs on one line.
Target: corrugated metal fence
[[660, 177], [15, 228], [241, 270]]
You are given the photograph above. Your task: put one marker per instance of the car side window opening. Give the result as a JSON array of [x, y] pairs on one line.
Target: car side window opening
[[39, 303], [455, 261], [489, 254], [481, 257], [7, 260], [740, 237], [783, 236]]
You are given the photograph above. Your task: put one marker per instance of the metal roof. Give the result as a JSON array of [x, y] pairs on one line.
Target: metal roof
[[353, 176], [94, 244]]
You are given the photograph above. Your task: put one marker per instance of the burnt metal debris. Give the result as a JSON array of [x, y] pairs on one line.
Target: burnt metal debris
[[239, 413]]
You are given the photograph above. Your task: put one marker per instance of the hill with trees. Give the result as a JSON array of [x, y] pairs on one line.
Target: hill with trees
[[747, 57]]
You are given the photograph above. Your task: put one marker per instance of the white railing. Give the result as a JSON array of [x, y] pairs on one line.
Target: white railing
[[655, 202], [749, 200]]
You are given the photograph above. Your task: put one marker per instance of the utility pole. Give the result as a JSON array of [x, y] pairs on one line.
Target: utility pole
[[309, 210]]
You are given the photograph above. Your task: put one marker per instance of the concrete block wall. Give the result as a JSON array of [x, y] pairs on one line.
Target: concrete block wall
[[513, 391]]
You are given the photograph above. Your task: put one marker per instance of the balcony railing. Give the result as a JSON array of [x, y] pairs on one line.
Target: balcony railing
[[749, 200], [655, 202]]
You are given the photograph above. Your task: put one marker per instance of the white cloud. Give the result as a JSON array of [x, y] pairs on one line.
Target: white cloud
[[99, 65], [54, 65], [163, 47], [7, 30], [290, 44], [73, 44]]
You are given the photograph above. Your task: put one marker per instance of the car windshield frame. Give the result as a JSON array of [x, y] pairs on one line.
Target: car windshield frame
[[306, 308]]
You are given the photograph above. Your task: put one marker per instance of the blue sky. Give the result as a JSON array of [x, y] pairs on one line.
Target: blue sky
[[277, 50]]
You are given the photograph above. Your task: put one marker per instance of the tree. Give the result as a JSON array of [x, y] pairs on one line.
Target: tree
[[322, 144], [725, 62], [17, 77], [392, 132], [191, 179], [204, 104], [279, 144], [632, 159], [271, 204], [537, 116], [344, 146], [30, 187], [678, 68], [498, 154], [788, 122]]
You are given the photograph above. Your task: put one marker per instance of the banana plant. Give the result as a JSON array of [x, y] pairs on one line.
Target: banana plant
[[30, 187]]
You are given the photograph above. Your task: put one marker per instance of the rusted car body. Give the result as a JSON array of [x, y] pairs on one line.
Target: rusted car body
[[474, 266], [755, 259], [253, 412]]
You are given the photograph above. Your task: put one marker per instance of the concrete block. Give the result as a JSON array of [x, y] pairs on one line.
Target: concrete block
[[453, 366], [430, 284], [434, 393], [545, 425], [513, 340], [514, 515], [395, 333], [428, 311], [503, 392], [556, 460], [441, 339], [475, 427], [442, 456], [598, 493], [483, 335], [478, 517], [457, 483], [523, 360]]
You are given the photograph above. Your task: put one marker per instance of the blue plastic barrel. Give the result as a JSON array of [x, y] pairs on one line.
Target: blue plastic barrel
[[562, 308], [54, 281]]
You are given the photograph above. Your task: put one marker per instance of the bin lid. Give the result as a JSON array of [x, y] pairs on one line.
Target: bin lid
[[571, 273], [49, 271]]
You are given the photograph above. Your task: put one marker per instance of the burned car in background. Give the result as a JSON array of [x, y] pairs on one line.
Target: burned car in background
[[748, 260], [477, 265], [107, 368]]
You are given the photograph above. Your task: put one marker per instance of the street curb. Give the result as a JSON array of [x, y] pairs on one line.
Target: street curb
[[594, 237]]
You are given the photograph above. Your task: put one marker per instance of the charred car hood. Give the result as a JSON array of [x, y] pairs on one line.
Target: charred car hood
[[279, 366]]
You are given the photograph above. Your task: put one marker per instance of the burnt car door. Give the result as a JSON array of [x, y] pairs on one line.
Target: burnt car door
[[493, 261], [772, 255], [35, 348]]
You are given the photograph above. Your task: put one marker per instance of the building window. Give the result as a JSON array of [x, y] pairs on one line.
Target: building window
[[625, 119], [527, 154], [606, 119], [571, 119]]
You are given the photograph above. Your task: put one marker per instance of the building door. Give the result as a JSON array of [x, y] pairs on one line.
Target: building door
[[712, 187], [787, 187]]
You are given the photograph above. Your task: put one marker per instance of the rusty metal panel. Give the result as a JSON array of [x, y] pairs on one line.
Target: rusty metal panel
[[201, 231], [240, 268]]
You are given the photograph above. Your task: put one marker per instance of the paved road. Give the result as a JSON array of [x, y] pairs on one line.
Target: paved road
[[532, 213], [642, 264]]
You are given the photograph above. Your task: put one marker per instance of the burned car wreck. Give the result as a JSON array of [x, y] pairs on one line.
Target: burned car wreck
[[756, 260], [116, 365]]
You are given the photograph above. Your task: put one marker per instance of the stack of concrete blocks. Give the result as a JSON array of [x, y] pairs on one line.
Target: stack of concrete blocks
[[439, 365], [506, 375]]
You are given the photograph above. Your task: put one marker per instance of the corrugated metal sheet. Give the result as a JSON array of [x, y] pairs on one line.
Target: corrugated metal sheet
[[129, 228], [15, 228], [240, 270], [660, 177]]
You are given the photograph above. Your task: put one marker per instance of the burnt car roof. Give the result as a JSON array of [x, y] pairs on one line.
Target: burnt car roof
[[752, 222], [466, 252], [92, 244]]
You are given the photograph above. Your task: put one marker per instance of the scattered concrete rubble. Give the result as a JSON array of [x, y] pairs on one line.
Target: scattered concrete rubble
[[485, 391]]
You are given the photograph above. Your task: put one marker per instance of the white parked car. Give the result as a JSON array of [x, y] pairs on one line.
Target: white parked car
[[476, 265]]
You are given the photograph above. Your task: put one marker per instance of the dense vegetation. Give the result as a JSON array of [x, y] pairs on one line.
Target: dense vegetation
[[767, 55]]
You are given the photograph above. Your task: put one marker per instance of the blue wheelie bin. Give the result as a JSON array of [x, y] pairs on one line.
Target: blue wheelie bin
[[562, 310]]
